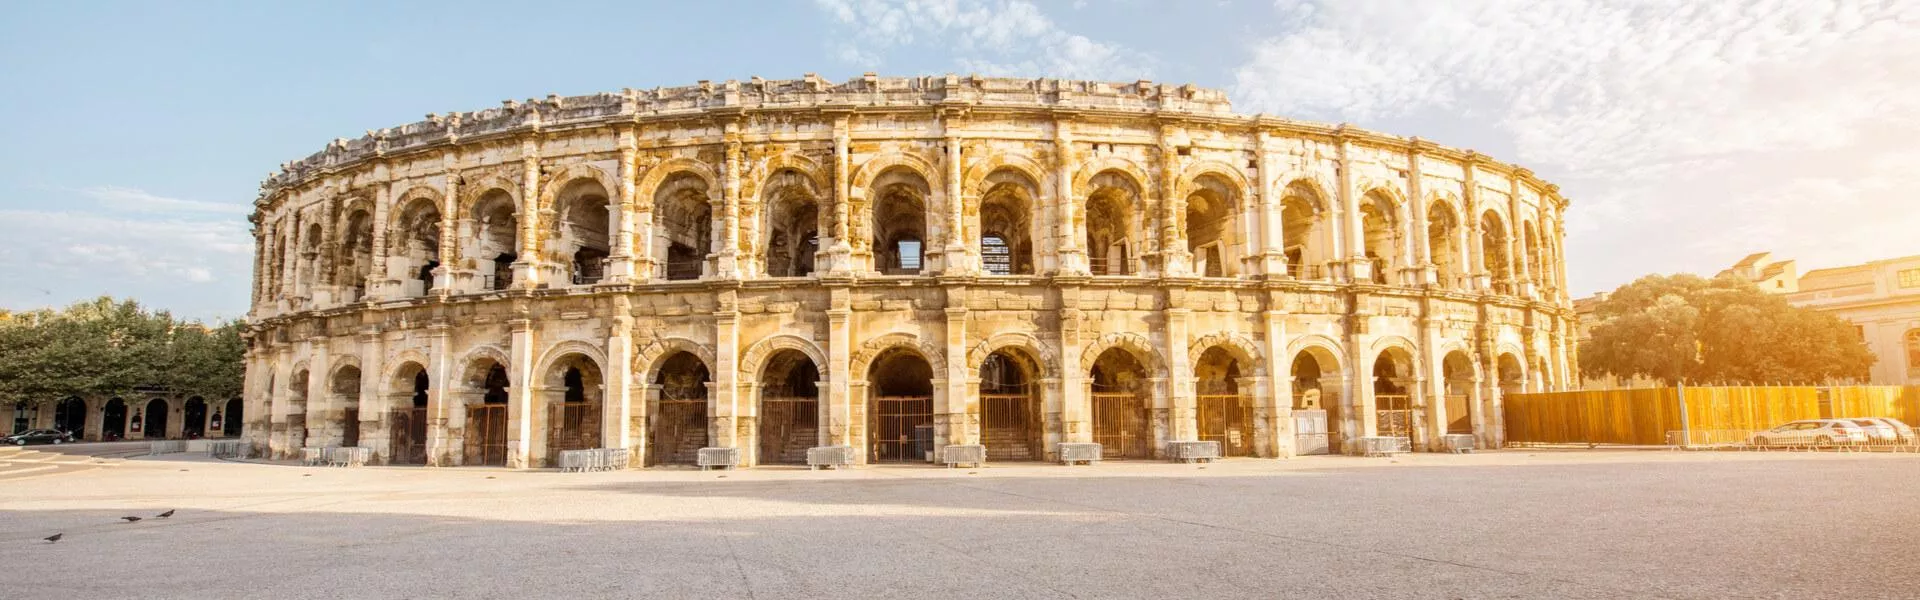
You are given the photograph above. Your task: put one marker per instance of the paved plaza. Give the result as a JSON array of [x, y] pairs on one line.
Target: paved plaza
[[1511, 524]]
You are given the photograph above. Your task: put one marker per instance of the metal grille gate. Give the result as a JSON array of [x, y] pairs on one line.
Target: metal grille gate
[[487, 435], [1011, 426], [1227, 418], [1394, 415], [572, 426], [901, 428], [679, 431], [408, 435], [789, 425], [1120, 425]]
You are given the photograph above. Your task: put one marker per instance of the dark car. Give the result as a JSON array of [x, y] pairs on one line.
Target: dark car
[[37, 436]]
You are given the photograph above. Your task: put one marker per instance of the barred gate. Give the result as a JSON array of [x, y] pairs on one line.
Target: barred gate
[[572, 426], [1011, 427], [1393, 415], [789, 426], [486, 435], [1227, 418], [1121, 425], [408, 435], [679, 431], [897, 425]]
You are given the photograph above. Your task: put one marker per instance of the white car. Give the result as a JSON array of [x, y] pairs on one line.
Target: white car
[[1812, 432], [1877, 432]]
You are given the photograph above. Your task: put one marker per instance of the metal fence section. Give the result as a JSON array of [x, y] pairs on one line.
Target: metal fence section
[[229, 449], [595, 459], [1644, 416], [160, 447]]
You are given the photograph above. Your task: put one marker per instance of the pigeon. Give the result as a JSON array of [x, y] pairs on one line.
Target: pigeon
[[164, 515], [130, 519], [55, 537]]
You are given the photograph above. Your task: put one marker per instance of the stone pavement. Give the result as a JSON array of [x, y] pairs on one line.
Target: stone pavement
[[1511, 524]]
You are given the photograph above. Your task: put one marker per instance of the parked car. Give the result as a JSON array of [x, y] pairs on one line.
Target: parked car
[[1901, 431], [1821, 432], [37, 436], [1877, 432]]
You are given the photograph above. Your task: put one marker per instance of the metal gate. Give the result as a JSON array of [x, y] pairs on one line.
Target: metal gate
[[486, 435], [572, 426], [1010, 427], [902, 428], [789, 425], [1120, 425], [1459, 415], [1227, 418], [408, 427], [350, 433], [1393, 415], [679, 431]]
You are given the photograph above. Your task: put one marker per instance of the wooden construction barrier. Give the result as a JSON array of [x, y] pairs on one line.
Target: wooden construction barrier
[[1643, 416]]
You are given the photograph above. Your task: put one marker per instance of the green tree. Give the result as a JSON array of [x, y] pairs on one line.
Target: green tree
[[1726, 330], [108, 347]]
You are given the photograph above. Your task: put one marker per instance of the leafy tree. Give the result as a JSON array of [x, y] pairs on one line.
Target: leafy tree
[[107, 347], [1689, 328]]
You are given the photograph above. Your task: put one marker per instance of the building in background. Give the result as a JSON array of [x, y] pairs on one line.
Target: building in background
[[1880, 298]]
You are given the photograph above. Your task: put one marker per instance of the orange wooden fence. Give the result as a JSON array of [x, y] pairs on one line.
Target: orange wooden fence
[[1645, 415]]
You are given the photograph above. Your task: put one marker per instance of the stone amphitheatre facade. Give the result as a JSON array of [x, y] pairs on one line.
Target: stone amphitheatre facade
[[897, 265]]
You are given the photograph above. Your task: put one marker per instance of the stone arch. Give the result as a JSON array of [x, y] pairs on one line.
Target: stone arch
[[1321, 198], [338, 362], [756, 356], [413, 192], [806, 166], [976, 174], [486, 352], [483, 184], [563, 348], [398, 361], [1190, 177], [1238, 346], [1138, 345], [1049, 360], [1323, 348], [1084, 173], [659, 173], [867, 172], [554, 183], [646, 361], [871, 349], [1396, 342]]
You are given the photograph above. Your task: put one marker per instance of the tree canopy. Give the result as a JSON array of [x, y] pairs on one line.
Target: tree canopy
[[108, 347], [1721, 330]]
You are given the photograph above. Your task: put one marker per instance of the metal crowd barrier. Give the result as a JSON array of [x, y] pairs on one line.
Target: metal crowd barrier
[[596, 459], [1383, 446], [313, 456], [349, 456], [229, 449], [159, 447], [1743, 439]]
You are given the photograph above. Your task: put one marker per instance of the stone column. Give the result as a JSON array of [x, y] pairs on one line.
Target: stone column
[[1477, 269], [1420, 248], [1350, 243], [1076, 408], [281, 444], [526, 266], [1273, 257], [323, 414], [616, 430], [1160, 411], [620, 264], [727, 230], [963, 409], [382, 212], [449, 250], [726, 372], [1516, 238], [1278, 434], [839, 427], [520, 400], [1184, 420], [373, 370], [840, 253], [442, 450], [1073, 258], [1175, 259], [958, 260]]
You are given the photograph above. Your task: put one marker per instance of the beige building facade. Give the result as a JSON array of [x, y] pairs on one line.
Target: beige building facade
[[1880, 298], [896, 265]]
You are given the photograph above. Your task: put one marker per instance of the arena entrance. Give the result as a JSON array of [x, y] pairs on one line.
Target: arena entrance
[[1011, 422], [789, 421], [1459, 373], [679, 428], [155, 422], [1121, 392], [573, 423], [900, 416], [486, 439], [113, 421], [1317, 413], [1225, 413], [407, 422], [1392, 404]]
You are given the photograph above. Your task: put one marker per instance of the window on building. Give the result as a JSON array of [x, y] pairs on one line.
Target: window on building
[[1909, 278], [995, 257], [909, 253]]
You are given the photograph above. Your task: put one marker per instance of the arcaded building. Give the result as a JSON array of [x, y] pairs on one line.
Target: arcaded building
[[896, 265]]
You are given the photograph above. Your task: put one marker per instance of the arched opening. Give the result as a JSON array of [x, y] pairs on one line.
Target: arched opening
[[581, 239], [1392, 394], [229, 422], [789, 422], [1114, 241], [1012, 422], [1225, 408], [683, 226], [1913, 353], [1304, 232], [1458, 369], [346, 395], [154, 420], [309, 274], [113, 421], [900, 222], [296, 432], [1379, 216], [1211, 214], [1006, 224], [1513, 375], [495, 239], [415, 244], [486, 430], [193, 419], [576, 391], [1443, 245], [1532, 242], [355, 265], [1121, 393], [900, 414], [407, 416], [1317, 413], [1493, 251], [679, 428], [792, 225], [71, 416]]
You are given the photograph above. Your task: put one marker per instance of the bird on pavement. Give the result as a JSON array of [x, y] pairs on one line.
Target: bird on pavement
[[130, 519], [55, 537], [164, 515]]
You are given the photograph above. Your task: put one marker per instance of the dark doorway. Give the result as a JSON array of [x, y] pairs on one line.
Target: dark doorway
[[487, 422], [230, 422], [574, 422], [789, 408], [154, 427], [900, 421], [193, 425], [113, 421], [679, 428], [71, 416], [1011, 425], [409, 423]]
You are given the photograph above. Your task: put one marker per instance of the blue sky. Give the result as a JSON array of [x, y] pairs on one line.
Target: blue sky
[[1686, 133]]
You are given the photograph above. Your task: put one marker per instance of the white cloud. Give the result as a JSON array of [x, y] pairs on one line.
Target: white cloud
[[135, 199], [60, 244], [1733, 126], [1001, 37]]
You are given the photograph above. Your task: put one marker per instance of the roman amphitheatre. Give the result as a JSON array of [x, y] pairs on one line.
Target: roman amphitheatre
[[907, 268]]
